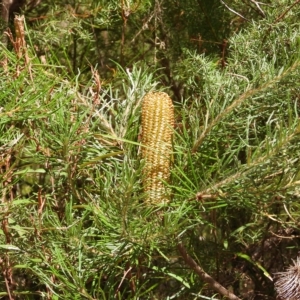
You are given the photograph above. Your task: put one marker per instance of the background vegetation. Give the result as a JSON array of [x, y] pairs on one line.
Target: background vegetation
[[73, 221]]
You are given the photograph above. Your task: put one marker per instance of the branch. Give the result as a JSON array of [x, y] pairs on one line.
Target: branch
[[286, 11], [239, 101], [204, 276], [233, 11]]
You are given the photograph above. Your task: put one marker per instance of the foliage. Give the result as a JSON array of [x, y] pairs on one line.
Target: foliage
[[73, 220]]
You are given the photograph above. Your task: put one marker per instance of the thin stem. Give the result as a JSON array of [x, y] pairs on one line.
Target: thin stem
[[239, 101], [204, 276]]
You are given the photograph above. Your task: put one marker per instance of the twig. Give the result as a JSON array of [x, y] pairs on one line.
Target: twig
[[204, 276], [285, 237], [124, 276], [20, 42], [257, 5], [279, 18], [7, 288], [257, 8], [144, 27], [233, 11], [286, 11], [7, 277], [239, 101], [288, 213]]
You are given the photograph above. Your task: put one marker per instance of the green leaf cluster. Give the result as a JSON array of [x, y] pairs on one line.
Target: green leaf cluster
[[74, 224]]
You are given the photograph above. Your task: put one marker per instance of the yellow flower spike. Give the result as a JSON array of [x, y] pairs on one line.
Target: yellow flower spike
[[157, 132]]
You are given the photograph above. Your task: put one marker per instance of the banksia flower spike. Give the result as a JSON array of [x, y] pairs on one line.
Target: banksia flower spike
[[287, 285], [157, 131]]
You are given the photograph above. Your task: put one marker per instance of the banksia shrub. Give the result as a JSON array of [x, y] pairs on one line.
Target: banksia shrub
[[287, 285], [157, 131]]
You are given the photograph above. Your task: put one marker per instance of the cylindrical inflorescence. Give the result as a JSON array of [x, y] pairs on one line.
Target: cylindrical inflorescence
[[157, 132]]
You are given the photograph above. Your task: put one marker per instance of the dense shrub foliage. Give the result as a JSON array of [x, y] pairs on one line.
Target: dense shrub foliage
[[74, 223]]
